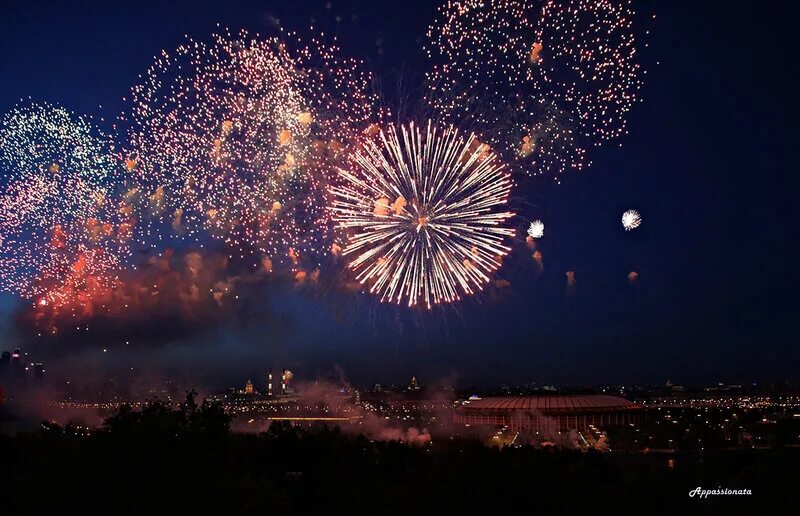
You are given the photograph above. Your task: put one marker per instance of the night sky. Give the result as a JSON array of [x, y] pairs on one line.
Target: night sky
[[710, 162]]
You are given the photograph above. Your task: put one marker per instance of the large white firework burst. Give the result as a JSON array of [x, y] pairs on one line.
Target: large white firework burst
[[425, 212]]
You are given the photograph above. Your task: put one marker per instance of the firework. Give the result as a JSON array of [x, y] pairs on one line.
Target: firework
[[424, 210], [543, 81], [61, 236], [235, 136], [631, 220], [536, 229]]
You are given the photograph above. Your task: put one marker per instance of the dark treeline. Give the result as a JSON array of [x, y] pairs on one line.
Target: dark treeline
[[185, 460]]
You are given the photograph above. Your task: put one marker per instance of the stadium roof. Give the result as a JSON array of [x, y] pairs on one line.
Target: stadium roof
[[549, 404]]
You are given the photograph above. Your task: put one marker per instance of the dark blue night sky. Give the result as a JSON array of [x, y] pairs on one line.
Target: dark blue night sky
[[710, 162]]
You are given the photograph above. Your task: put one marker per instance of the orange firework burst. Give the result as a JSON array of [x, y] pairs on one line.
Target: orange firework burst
[[235, 136], [62, 238], [542, 81]]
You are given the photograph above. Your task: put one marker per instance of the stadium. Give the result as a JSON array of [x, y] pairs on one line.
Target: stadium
[[548, 413]]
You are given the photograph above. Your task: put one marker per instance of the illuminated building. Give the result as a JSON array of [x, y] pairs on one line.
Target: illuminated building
[[286, 377], [674, 388], [413, 385], [248, 387], [548, 413], [11, 366], [269, 383]]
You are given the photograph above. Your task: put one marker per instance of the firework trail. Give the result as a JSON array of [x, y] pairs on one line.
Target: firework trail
[[236, 137], [423, 210], [62, 237], [542, 81]]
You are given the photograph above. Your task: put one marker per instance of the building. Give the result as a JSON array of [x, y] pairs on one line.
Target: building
[[548, 413], [286, 377], [413, 386], [12, 370]]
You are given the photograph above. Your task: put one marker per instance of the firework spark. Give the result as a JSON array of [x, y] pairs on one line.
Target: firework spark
[[424, 209], [536, 229], [62, 238], [542, 81], [631, 220], [235, 137]]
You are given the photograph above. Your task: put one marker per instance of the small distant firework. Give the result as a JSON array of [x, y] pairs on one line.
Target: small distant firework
[[424, 210], [61, 236], [571, 283], [536, 229], [537, 257], [631, 220], [542, 81], [235, 137]]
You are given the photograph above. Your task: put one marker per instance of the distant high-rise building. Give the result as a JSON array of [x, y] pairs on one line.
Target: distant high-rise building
[[269, 383], [17, 370], [413, 385], [248, 387], [5, 365], [286, 379]]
